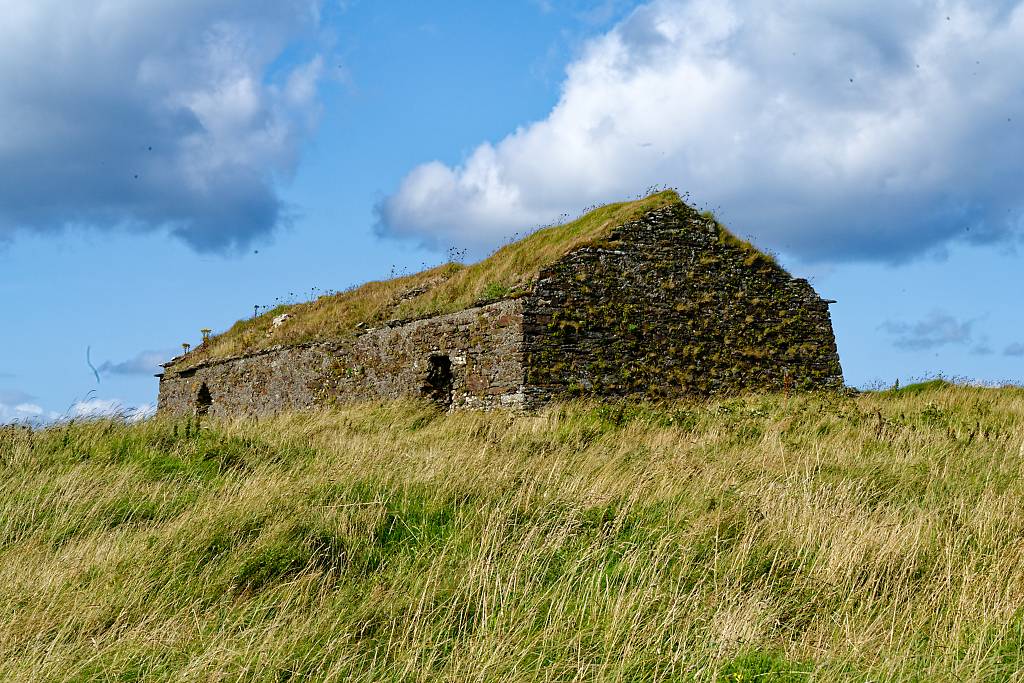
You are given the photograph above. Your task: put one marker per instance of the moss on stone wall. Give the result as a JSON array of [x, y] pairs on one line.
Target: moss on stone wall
[[662, 303], [483, 346], [675, 304]]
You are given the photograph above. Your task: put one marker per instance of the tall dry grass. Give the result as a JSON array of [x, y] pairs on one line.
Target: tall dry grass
[[759, 539]]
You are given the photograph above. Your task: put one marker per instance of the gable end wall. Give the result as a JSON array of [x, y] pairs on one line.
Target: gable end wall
[[668, 306]]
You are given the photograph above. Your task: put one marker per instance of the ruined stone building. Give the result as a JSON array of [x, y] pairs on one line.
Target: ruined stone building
[[649, 298]]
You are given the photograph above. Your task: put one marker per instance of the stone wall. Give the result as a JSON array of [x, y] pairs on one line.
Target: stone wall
[[668, 305], [673, 305], [470, 359]]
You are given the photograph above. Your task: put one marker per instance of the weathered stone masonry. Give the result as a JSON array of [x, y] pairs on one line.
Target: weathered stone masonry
[[469, 359], [668, 305], [674, 305]]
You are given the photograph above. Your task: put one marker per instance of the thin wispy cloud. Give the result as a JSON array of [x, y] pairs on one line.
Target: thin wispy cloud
[[1015, 350], [938, 329], [11, 396], [830, 131], [145, 363]]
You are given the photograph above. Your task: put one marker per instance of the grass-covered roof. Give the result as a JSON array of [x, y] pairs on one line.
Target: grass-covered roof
[[444, 289], [447, 288]]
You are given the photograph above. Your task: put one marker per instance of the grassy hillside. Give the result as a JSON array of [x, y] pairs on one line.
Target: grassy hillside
[[758, 539], [444, 289]]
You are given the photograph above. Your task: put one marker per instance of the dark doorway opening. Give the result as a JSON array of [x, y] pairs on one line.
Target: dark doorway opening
[[438, 384], [203, 400]]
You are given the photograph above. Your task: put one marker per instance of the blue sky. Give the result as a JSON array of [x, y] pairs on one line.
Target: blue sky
[[165, 166]]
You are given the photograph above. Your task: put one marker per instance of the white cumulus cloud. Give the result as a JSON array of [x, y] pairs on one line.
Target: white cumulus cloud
[[829, 130], [156, 114], [17, 407], [29, 409], [103, 408]]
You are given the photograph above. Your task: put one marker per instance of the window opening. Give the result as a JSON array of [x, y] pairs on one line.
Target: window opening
[[203, 400], [438, 384]]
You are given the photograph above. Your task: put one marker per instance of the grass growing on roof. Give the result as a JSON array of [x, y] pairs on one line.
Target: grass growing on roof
[[445, 289]]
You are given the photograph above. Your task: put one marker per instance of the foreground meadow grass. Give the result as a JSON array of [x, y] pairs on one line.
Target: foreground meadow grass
[[877, 537]]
